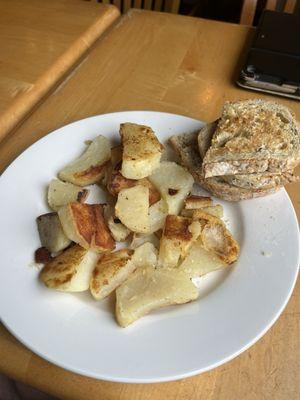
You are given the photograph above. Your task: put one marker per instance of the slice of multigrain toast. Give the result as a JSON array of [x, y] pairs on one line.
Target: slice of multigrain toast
[[253, 136], [186, 146], [247, 181]]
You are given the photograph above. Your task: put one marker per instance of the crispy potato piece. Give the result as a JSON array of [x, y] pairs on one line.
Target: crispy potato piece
[[116, 155], [85, 224], [138, 239], [90, 167], [148, 289], [119, 231], [174, 184], [141, 151], [51, 233], [193, 202], [71, 270], [154, 195], [116, 182], [187, 213], [178, 235], [42, 255], [61, 193], [200, 261], [204, 217], [145, 255], [216, 211], [217, 238], [158, 234], [111, 270], [132, 208]]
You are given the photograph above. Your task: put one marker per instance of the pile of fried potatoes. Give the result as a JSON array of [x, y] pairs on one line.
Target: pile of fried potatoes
[[172, 236]]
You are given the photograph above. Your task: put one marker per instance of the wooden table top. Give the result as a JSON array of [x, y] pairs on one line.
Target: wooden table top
[[39, 42], [33, 34], [183, 65]]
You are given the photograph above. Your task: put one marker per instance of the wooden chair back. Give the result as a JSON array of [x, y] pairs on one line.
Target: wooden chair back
[[171, 6], [249, 8]]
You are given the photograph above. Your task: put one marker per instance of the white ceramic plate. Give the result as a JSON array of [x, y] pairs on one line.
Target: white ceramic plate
[[235, 308]]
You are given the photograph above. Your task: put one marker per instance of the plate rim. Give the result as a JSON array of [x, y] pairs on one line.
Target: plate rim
[[164, 378]]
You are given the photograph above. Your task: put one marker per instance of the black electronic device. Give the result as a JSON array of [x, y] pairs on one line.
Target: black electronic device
[[273, 61]]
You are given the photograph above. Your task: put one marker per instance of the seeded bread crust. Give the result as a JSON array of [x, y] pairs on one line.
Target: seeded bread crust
[[186, 146], [205, 137], [260, 181], [253, 136]]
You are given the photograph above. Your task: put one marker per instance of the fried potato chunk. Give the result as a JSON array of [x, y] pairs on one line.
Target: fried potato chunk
[[85, 224], [71, 270]]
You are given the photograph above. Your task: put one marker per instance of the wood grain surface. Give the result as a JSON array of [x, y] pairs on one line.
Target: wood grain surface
[[164, 62], [40, 42]]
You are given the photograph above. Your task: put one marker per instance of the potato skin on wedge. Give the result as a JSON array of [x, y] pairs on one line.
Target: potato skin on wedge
[[111, 270], [51, 233], [85, 224], [71, 270]]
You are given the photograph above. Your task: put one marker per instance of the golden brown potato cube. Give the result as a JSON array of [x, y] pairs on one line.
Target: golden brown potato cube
[[111, 270], [71, 270], [217, 238], [141, 151], [85, 224], [178, 235]]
